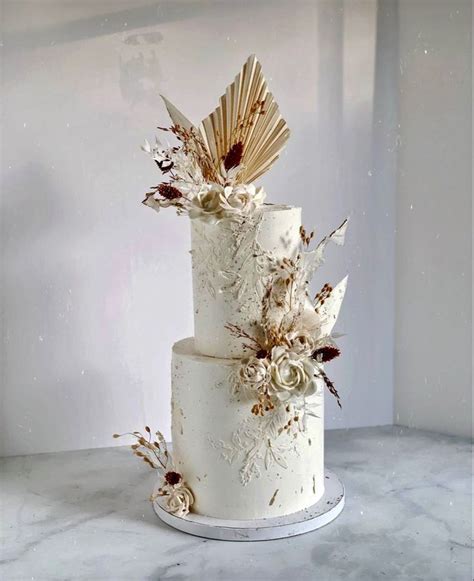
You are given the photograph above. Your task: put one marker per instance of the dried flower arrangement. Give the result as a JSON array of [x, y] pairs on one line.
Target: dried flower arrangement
[[210, 172], [208, 175], [291, 346], [154, 453], [293, 341]]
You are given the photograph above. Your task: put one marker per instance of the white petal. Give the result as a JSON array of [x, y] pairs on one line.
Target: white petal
[[176, 116]]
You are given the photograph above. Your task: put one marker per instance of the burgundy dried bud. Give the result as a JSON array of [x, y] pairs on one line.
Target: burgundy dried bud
[[173, 478], [234, 156], [326, 353], [169, 192], [261, 354]]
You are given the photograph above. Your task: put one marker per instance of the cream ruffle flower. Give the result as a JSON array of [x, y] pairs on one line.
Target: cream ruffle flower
[[179, 499], [242, 199], [254, 373], [214, 202], [207, 204], [300, 342], [291, 375]]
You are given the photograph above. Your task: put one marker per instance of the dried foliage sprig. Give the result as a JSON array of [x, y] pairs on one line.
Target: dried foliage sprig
[[246, 122], [194, 146], [287, 329], [306, 237], [322, 296], [240, 333], [330, 385], [153, 452], [265, 404]]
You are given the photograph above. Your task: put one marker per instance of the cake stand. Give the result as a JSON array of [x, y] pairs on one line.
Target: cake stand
[[328, 507]]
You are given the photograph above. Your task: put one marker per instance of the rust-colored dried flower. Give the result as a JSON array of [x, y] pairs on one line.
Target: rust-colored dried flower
[[326, 353], [169, 192], [173, 478], [234, 156]]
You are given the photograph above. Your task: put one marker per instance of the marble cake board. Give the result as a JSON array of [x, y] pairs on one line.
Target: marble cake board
[[316, 516]]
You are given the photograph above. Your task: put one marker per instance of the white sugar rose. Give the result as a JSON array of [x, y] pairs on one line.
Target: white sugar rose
[[301, 343], [179, 500], [207, 205], [242, 199], [291, 375], [254, 373]]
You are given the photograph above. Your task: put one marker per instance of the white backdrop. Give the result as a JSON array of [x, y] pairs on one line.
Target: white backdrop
[[434, 220], [98, 287]]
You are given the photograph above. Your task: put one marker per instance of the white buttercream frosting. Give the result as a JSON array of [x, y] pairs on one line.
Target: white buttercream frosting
[[240, 466], [232, 259]]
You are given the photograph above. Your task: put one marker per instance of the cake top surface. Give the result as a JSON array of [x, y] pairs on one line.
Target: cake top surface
[[186, 347]]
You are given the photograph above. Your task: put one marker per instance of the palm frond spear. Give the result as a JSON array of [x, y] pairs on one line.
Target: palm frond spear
[[210, 173]]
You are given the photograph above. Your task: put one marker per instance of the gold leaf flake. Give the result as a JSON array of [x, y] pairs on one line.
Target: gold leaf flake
[[272, 500]]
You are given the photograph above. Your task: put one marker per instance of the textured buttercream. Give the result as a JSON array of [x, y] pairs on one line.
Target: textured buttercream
[[234, 466], [231, 261]]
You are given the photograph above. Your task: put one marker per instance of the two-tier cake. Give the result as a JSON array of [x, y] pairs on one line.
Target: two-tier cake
[[248, 388]]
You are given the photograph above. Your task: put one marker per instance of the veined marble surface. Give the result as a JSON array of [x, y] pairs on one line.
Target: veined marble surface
[[85, 515]]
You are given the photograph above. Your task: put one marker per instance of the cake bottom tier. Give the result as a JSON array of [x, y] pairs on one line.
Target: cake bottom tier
[[238, 465]]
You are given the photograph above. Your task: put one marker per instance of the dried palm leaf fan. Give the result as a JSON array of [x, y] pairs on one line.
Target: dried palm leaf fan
[[247, 116]]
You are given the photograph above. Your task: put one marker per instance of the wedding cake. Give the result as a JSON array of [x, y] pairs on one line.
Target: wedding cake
[[248, 388]]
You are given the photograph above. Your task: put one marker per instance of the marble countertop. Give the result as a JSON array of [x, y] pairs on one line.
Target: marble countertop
[[85, 515]]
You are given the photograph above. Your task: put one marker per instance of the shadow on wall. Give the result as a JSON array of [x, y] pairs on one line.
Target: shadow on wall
[[81, 321], [106, 23], [46, 346], [101, 24], [140, 71]]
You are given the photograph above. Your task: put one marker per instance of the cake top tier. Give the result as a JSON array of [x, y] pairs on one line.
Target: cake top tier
[[210, 170], [252, 262], [233, 262]]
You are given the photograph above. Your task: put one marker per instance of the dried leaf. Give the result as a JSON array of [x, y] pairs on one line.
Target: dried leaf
[[247, 114]]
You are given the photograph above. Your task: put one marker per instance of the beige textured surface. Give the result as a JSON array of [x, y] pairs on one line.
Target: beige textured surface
[[205, 414], [228, 270]]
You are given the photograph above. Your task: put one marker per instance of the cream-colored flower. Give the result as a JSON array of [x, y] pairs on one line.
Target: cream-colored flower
[[179, 499], [242, 199], [291, 374], [254, 373], [300, 342], [207, 204]]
